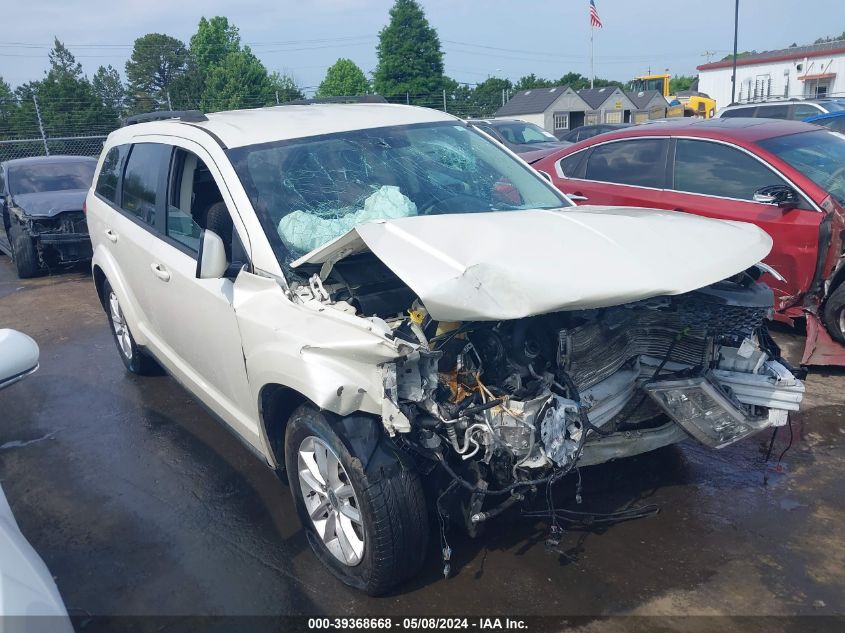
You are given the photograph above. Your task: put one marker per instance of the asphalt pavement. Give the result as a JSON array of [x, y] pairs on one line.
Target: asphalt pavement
[[141, 504]]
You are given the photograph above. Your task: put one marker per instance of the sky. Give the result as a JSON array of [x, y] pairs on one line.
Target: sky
[[480, 38]]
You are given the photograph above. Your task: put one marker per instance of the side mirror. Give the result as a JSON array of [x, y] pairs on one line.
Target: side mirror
[[782, 196], [211, 260]]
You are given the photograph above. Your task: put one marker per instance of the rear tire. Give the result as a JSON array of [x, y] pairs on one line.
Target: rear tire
[[833, 313], [134, 359], [392, 534], [24, 253]]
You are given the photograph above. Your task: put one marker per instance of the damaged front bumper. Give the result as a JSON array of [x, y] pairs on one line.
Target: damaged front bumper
[[60, 240]]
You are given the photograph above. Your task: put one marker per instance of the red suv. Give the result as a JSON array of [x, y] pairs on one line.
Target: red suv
[[786, 177]]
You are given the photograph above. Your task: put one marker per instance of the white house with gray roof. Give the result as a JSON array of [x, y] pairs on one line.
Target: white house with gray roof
[[558, 108]]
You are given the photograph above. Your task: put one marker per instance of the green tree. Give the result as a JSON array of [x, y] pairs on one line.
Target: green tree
[[835, 38], [576, 81], [343, 78], [214, 40], [530, 82], [110, 89], [681, 82], [156, 62], [8, 106], [409, 55], [239, 81], [488, 96], [67, 99], [285, 87]]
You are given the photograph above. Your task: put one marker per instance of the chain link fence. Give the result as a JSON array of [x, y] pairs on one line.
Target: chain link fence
[[36, 135]]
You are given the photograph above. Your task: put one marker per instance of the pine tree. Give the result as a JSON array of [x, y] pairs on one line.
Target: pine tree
[[409, 56], [156, 62]]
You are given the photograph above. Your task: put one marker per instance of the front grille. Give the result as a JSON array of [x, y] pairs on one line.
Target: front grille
[[74, 222], [594, 351]]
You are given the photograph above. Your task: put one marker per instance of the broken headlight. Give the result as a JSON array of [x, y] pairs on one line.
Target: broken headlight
[[704, 411]]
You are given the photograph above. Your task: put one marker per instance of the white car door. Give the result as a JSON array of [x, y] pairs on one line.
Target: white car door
[[195, 317]]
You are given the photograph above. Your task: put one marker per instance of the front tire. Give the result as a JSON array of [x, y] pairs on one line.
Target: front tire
[[368, 526], [134, 359], [833, 313], [24, 252]]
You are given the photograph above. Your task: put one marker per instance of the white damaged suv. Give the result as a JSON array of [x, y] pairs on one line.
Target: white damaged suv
[[370, 295]]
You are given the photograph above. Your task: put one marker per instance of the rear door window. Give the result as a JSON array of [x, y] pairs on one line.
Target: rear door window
[[637, 162], [780, 111], [719, 170], [141, 180], [739, 112]]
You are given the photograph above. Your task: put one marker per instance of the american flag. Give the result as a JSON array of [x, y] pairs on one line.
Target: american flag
[[595, 20]]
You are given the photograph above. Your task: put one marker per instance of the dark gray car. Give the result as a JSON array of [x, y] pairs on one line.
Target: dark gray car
[[43, 224], [518, 136]]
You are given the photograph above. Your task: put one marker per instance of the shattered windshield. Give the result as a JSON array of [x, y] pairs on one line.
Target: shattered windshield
[[309, 191]]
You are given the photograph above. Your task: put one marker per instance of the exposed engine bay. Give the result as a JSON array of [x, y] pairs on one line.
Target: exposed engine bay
[[524, 399]]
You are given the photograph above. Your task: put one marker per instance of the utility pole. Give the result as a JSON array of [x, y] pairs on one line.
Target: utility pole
[[41, 125], [444, 99], [736, 38]]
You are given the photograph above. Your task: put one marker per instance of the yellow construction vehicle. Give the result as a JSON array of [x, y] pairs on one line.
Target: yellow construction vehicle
[[685, 103]]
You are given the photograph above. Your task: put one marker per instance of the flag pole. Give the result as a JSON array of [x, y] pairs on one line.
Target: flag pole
[[592, 72]]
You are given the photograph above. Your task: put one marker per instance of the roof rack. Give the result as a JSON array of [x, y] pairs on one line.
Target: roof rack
[[350, 99], [188, 116]]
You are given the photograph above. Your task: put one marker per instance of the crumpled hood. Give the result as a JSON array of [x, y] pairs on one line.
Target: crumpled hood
[[509, 265], [48, 204]]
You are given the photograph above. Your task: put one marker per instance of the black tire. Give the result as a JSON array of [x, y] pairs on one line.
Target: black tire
[[389, 499], [134, 358], [833, 313], [24, 253]]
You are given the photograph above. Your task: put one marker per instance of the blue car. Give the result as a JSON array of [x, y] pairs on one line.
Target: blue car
[[834, 121]]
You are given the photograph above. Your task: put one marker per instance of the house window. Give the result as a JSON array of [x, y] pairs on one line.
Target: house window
[[591, 118], [561, 120], [613, 117]]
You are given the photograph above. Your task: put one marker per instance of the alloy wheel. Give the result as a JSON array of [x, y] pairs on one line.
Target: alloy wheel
[[121, 331], [330, 501]]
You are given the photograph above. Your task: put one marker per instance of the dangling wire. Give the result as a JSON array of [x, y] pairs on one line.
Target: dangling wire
[[442, 516]]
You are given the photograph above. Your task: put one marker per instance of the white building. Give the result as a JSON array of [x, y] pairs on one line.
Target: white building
[[796, 72]]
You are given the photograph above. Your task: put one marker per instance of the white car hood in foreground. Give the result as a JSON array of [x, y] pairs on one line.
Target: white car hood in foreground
[[26, 586], [509, 265]]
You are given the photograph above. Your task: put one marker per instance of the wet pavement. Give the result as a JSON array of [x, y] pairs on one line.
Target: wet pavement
[[140, 503]]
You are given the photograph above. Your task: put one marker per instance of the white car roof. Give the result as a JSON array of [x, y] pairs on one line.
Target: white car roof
[[237, 128]]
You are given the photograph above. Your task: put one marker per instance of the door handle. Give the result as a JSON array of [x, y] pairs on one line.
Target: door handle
[[111, 235], [160, 271], [577, 197]]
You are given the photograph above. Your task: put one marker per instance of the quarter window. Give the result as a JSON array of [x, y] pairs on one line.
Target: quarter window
[[774, 111], [569, 165], [718, 170], [803, 110], [110, 173], [140, 181], [637, 162]]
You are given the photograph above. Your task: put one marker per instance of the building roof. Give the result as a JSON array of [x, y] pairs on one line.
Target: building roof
[[784, 54], [642, 98], [532, 101], [237, 128], [596, 96]]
